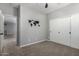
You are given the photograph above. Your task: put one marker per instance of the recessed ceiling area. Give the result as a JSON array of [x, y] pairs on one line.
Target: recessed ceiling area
[[41, 6]]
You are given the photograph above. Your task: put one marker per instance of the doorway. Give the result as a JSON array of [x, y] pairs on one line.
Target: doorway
[[10, 33]]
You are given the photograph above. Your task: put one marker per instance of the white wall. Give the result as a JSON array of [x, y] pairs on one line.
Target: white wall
[[33, 34], [7, 9]]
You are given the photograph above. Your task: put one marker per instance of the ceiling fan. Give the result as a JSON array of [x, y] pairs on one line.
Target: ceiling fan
[[46, 5]]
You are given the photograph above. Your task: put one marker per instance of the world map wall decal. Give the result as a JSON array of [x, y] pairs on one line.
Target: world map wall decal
[[33, 23]]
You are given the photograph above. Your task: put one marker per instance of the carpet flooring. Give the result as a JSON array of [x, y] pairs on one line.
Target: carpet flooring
[[45, 48]]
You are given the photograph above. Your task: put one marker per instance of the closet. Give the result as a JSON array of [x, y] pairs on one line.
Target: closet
[[65, 30], [75, 31]]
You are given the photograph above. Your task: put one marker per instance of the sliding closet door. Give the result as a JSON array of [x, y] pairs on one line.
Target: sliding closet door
[[75, 31], [59, 30]]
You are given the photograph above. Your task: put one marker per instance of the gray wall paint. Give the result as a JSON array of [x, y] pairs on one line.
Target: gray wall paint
[[33, 34], [10, 28]]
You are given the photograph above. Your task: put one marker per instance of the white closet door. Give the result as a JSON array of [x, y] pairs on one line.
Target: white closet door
[[54, 36], [67, 31], [59, 31], [75, 31]]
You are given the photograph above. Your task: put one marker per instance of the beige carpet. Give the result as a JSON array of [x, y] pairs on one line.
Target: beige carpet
[[46, 48]]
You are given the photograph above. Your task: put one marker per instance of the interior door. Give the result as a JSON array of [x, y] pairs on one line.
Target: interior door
[[1, 30], [75, 31], [59, 30]]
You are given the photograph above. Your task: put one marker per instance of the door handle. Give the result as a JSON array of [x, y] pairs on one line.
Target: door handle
[[69, 32], [1, 33], [58, 32]]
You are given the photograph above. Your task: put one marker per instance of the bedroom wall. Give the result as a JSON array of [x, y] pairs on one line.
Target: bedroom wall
[[28, 34]]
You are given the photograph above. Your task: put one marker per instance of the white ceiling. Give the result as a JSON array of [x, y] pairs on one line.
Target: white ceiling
[[41, 6]]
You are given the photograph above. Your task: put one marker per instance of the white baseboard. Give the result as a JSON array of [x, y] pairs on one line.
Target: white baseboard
[[63, 44], [48, 40], [43, 41], [31, 43]]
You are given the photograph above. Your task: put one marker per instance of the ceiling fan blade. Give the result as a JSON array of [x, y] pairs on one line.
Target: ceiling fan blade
[[46, 5]]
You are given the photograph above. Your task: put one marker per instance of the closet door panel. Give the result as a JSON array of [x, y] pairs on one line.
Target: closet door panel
[[54, 29], [66, 31], [59, 31], [75, 31]]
